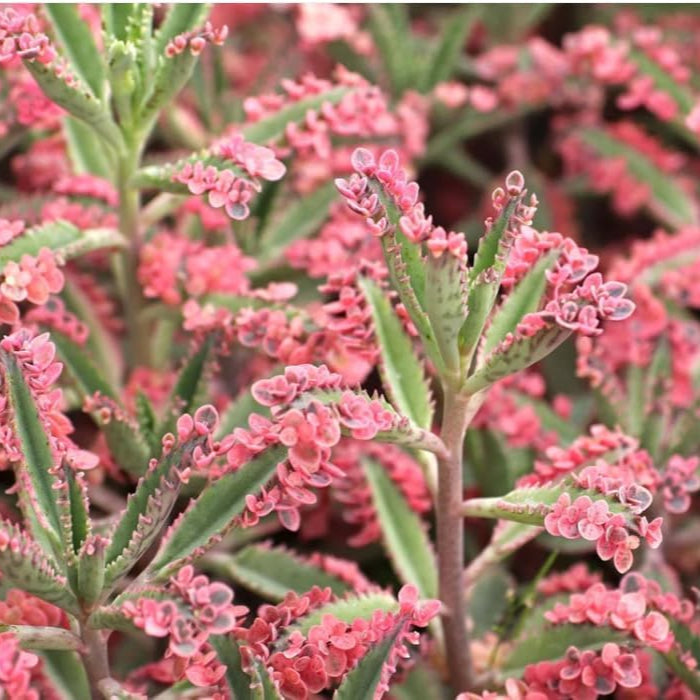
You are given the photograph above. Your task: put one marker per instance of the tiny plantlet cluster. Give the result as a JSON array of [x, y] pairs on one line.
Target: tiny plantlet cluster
[[271, 430]]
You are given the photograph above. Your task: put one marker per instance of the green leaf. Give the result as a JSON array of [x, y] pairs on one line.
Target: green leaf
[[78, 44], [390, 29], [488, 600], [238, 411], [100, 344], [189, 383], [346, 610], [485, 279], [521, 353], [402, 372], [67, 674], [272, 128], [115, 17], [530, 504], [147, 510], [668, 201], [37, 495], [551, 645], [363, 680], [85, 150], [124, 441], [239, 682], [524, 299], [26, 566], [296, 221], [450, 46], [72, 503], [420, 683], [78, 101], [271, 572], [64, 239], [181, 18], [214, 512], [446, 304], [403, 533], [147, 421]]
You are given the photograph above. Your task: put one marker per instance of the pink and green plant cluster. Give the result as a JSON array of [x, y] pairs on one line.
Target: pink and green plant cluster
[[349, 351]]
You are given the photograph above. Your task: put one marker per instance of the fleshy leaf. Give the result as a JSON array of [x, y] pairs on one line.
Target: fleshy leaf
[[64, 239], [363, 680], [551, 644], [446, 304], [66, 673], [420, 683], [668, 201], [530, 504], [213, 512], [254, 685], [187, 386], [273, 127], [77, 100], [78, 44], [520, 354], [272, 572], [100, 344], [296, 221], [24, 565], [346, 610], [403, 533], [524, 299], [85, 150], [39, 504], [402, 372], [450, 45], [147, 510], [389, 26], [485, 279], [181, 18], [125, 443]]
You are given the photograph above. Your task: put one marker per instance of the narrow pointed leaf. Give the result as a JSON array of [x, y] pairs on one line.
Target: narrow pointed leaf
[[551, 644], [403, 373], [450, 46], [364, 679], [446, 296], [272, 128], [485, 279], [78, 44], [67, 674], [524, 299], [518, 355], [24, 565], [187, 386], [125, 443], [346, 610], [39, 505], [86, 152], [100, 344], [115, 17], [272, 572], [147, 510], [78, 101], [403, 533], [296, 221], [668, 201], [181, 18], [240, 682], [214, 511], [64, 239]]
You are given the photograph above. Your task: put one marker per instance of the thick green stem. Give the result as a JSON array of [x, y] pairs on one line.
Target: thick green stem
[[127, 264], [458, 410]]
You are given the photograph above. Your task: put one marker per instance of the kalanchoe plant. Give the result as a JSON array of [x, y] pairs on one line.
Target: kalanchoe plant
[[269, 430]]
